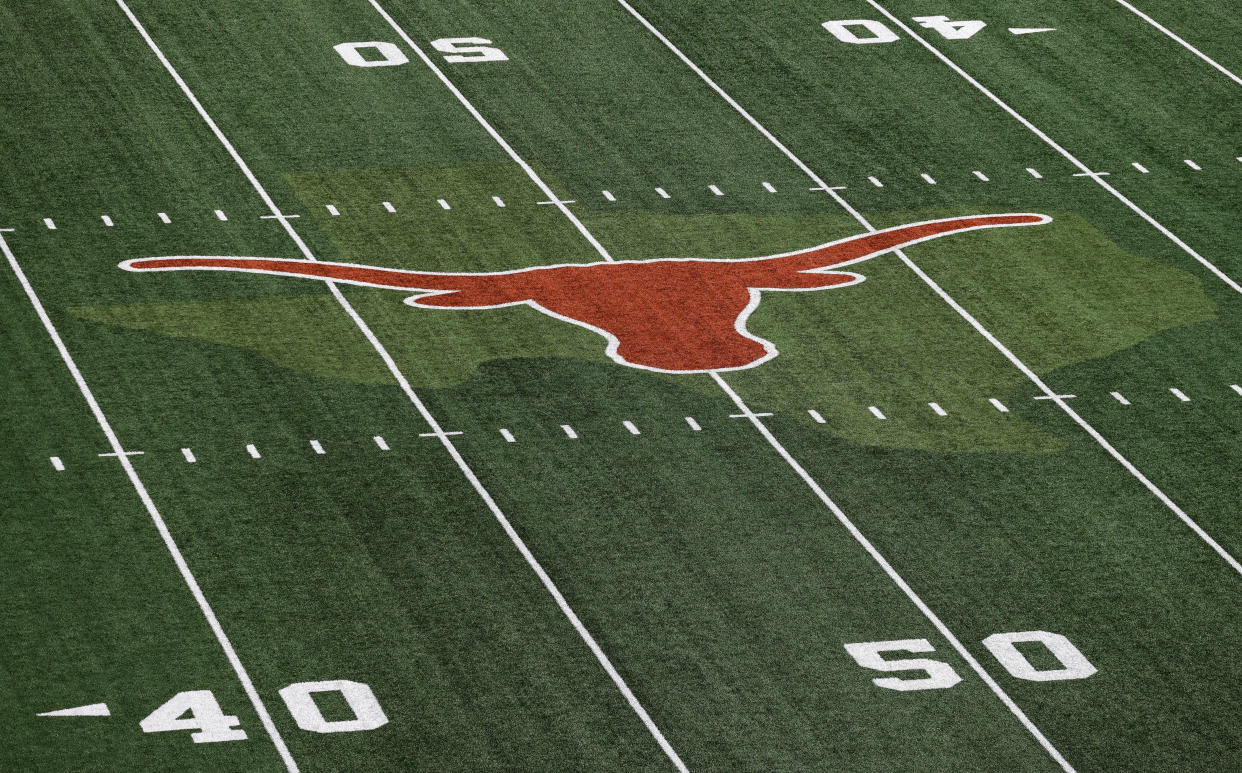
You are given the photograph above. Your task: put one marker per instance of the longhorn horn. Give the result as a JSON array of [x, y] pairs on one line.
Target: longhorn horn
[[368, 276], [864, 246]]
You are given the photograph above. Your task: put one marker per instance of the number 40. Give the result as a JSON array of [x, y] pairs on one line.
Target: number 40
[[198, 710]]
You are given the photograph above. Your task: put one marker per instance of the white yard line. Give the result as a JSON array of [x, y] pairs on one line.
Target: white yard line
[[402, 381], [169, 543], [1087, 171], [1231, 76]]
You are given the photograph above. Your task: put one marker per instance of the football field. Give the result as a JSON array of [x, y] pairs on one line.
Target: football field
[[493, 385]]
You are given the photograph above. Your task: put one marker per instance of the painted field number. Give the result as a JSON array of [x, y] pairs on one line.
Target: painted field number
[[198, 710], [938, 675], [864, 31], [379, 53]]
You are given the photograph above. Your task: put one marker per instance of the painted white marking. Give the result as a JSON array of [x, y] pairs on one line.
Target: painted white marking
[[189, 455], [500, 202], [1034, 173], [928, 178], [219, 212], [51, 226], [939, 411], [388, 206], [998, 405], [164, 218], [381, 443], [1180, 395], [1236, 388], [107, 220], [57, 464], [508, 436], [874, 181], [715, 191], [629, 425], [876, 412], [663, 193], [818, 418], [608, 195], [745, 415], [93, 710], [1054, 397], [569, 432], [1092, 175], [694, 425], [439, 433], [1190, 163], [333, 211], [1140, 167], [316, 446], [126, 453], [254, 452], [443, 204], [1030, 30], [1120, 398], [187, 576], [981, 176], [769, 187], [1184, 44], [278, 217], [1221, 275]]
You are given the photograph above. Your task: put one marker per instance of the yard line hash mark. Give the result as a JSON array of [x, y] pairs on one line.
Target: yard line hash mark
[[443, 204], [508, 436], [629, 426], [816, 417], [389, 207], [51, 226], [715, 190], [939, 411], [1142, 169], [876, 412], [498, 201], [169, 543], [1119, 398], [1180, 395], [663, 193], [404, 383], [220, 215], [254, 452], [333, 211], [1236, 388], [998, 405], [1034, 173], [317, 447], [107, 220], [164, 218], [928, 179], [981, 176], [381, 443], [1209, 265], [875, 181], [188, 455], [694, 425], [769, 187], [57, 464], [569, 432], [608, 195], [1191, 163]]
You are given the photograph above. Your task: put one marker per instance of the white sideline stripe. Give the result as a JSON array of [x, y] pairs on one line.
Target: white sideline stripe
[[1221, 275], [1184, 44], [629, 425], [443, 204], [694, 425], [499, 201], [184, 568], [508, 436], [998, 405], [873, 180], [388, 206], [769, 188], [164, 217], [962, 312], [333, 211], [608, 195], [876, 412], [817, 417], [189, 455], [219, 212], [57, 464], [1180, 395], [939, 411], [569, 432], [982, 176], [1190, 163], [316, 446], [51, 226], [107, 220], [663, 193], [254, 452], [381, 443], [716, 191], [928, 179], [1034, 173], [1120, 398], [1140, 167], [404, 383]]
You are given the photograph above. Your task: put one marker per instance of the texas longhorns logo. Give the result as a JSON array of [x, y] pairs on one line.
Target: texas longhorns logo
[[672, 315]]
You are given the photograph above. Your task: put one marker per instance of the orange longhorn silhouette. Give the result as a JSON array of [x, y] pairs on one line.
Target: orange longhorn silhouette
[[677, 315]]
